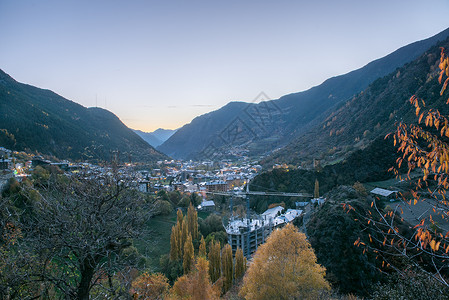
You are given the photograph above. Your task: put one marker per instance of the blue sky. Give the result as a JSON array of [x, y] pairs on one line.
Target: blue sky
[[161, 63]]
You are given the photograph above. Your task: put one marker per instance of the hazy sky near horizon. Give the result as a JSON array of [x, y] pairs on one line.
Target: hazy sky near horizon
[[161, 63]]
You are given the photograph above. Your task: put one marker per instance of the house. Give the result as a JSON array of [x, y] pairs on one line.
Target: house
[[383, 193], [207, 205], [216, 186], [318, 201], [5, 164], [272, 213]]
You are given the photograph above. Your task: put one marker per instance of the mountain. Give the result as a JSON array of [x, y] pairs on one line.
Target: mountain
[[156, 137], [371, 114], [38, 120], [248, 128]]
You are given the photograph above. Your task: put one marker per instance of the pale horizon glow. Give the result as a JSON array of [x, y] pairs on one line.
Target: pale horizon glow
[[159, 64]]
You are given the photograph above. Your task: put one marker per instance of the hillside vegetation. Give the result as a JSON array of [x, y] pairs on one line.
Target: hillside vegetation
[[37, 120]]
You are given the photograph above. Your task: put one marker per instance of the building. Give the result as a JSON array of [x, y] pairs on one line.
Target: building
[[216, 186], [318, 201], [385, 194], [5, 164], [248, 234], [207, 205], [272, 213]]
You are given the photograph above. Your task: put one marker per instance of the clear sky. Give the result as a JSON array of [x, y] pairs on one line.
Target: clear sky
[[161, 63]]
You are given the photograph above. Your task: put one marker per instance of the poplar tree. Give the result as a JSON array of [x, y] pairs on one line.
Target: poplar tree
[[179, 220], [316, 192], [174, 247], [202, 249], [195, 285], [240, 264], [227, 267], [184, 233], [192, 222], [215, 261], [187, 259]]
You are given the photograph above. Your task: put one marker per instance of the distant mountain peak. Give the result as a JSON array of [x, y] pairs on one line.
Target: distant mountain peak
[[157, 137]]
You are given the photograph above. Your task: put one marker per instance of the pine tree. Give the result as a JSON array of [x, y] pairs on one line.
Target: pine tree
[[202, 248], [240, 264], [215, 261], [187, 259], [227, 267], [316, 192], [174, 247]]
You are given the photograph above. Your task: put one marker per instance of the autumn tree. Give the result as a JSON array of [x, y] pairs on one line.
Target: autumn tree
[[188, 256], [423, 147], [184, 233], [240, 264], [195, 285], [202, 248], [227, 267], [284, 268], [316, 192], [215, 261], [150, 286], [192, 222], [174, 247]]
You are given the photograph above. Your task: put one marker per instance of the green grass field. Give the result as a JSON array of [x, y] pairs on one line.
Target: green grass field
[[156, 241]]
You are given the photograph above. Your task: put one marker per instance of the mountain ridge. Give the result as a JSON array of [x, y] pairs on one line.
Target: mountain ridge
[[372, 113], [41, 121], [260, 128]]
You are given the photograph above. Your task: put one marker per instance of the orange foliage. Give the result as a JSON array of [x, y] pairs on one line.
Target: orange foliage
[[150, 286], [195, 285], [284, 268]]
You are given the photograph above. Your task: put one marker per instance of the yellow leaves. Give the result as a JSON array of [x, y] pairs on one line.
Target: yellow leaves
[[284, 268], [444, 86], [150, 286], [434, 245]]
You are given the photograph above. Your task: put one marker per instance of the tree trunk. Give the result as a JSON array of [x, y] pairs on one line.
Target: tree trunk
[[87, 272]]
